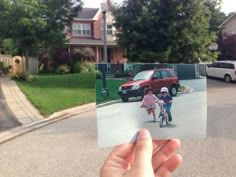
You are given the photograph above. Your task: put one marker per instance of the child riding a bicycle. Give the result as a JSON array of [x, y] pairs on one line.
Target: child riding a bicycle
[[167, 100], [148, 102]]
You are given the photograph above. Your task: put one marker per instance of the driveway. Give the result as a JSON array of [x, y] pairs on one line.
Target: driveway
[[123, 120], [221, 109], [196, 84]]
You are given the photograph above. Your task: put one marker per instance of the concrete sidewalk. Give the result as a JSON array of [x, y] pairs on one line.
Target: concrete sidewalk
[[57, 116], [20, 106]]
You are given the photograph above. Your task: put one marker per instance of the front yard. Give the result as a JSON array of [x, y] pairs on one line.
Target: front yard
[[51, 93], [113, 86]]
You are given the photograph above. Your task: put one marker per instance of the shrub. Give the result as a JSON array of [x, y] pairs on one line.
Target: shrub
[[98, 74], [62, 57], [76, 68], [90, 66], [19, 77], [76, 57], [1, 65], [6, 69], [63, 69], [84, 69], [46, 64], [87, 67]]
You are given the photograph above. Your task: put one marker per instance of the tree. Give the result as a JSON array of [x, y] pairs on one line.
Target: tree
[[217, 17], [36, 24], [9, 47], [165, 30]]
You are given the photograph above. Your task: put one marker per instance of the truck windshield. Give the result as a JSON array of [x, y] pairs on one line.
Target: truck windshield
[[144, 75]]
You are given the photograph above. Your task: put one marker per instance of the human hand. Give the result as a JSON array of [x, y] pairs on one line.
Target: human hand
[[145, 158]]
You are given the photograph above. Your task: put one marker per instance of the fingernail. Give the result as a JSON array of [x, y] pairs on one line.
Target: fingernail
[[143, 135]]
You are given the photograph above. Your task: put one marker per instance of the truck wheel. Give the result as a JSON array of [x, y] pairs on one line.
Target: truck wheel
[[173, 90], [124, 99]]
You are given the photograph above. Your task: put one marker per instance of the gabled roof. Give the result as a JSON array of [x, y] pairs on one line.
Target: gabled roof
[[87, 13], [228, 19]]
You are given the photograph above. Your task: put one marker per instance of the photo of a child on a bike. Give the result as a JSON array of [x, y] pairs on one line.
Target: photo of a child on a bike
[[170, 100], [164, 101]]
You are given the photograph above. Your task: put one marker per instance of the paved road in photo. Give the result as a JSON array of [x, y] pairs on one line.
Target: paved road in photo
[[69, 148], [123, 120]]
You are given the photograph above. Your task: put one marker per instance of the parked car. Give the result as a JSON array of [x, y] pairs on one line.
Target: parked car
[[156, 79], [222, 69]]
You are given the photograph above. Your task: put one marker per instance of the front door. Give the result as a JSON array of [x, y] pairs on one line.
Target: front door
[[109, 55]]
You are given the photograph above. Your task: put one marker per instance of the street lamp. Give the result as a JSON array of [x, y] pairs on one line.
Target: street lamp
[[104, 11], [105, 92]]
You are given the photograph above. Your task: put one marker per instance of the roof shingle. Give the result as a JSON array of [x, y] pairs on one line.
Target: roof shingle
[[87, 13]]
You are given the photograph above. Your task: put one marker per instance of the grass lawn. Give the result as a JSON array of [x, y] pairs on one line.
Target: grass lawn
[[113, 86], [51, 93]]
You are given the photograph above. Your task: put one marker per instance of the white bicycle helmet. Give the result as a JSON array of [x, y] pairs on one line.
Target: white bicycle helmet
[[164, 89]]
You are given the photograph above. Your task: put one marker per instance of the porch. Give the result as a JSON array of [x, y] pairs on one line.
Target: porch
[[114, 52]]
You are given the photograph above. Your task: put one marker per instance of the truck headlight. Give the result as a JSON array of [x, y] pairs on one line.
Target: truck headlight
[[136, 87], [120, 88]]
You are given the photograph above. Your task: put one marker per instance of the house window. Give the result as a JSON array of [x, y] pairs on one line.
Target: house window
[[109, 30], [81, 29]]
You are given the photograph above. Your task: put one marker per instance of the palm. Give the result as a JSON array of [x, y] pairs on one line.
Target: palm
[[121, 161]]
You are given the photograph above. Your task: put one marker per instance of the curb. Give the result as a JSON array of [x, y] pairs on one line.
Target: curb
[[58, 116], [108, 103], [186, 90]]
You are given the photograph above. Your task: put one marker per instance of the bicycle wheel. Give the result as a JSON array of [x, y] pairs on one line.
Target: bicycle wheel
[[161, 121], [166, 119]]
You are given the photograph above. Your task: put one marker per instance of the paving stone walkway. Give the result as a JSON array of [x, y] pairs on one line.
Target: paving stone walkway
[[20, 106]]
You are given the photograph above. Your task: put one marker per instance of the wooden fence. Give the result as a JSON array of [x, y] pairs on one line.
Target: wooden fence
[[7, 60], [33, 65]]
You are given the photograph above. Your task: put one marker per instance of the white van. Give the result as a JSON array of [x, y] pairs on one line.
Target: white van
[[222, 69]]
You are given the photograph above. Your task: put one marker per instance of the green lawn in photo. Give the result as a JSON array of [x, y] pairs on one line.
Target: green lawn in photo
[[52, 93], [113, 86]]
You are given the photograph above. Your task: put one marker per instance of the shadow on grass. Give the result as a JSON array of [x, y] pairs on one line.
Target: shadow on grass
[[84, 80]]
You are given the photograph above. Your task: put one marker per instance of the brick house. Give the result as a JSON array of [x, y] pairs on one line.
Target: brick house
[[87, 32], [227, 38], [228, 27]]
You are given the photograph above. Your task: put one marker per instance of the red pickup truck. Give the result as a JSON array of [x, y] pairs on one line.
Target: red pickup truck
[[156, 79]]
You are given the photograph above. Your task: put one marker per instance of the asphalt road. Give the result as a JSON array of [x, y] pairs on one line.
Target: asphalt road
[[69, 148], [214, 156], [64, 149], [7, 120], [123, 120]]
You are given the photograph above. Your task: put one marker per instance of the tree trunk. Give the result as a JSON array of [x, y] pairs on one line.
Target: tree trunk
[[27, 64]]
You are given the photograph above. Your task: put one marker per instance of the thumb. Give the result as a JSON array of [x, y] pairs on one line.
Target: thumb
[[143, 152]]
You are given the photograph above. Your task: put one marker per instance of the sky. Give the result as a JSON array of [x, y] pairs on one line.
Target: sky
[[227, 6]]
